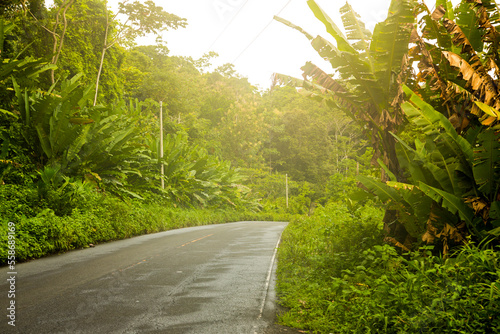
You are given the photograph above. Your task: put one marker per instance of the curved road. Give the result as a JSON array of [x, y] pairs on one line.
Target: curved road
[[207, 279]]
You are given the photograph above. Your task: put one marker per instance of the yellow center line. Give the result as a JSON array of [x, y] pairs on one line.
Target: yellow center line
[[192, 241], [132, 265], [145, 260]]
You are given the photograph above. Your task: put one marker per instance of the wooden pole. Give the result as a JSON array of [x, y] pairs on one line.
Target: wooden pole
[[161, 145]]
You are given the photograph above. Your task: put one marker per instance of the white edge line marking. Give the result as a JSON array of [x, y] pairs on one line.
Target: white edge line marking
[[268, 279]]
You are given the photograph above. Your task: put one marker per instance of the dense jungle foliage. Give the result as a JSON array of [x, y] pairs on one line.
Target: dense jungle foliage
[[424, 88], [393, 160], [80, 132]]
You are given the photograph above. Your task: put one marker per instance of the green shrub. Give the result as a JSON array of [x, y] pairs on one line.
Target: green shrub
[[18, 200], [334, 277]]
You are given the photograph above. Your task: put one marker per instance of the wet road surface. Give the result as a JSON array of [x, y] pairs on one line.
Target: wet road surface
[[208, 279]]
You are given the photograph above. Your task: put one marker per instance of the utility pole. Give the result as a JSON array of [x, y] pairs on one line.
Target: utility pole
[[161, 145], [286, 186]]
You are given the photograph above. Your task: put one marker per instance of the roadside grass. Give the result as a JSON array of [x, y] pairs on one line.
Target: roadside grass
[[334, 276], [40, 232]]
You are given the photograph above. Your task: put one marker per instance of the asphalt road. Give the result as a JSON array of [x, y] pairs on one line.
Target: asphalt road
[[208, 279]]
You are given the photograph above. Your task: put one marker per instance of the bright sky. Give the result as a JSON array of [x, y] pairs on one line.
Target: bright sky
[[244, 33]]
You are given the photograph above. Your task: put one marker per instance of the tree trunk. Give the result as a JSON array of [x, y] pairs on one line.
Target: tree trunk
[[56, 50], [104, 48], [99, 75]]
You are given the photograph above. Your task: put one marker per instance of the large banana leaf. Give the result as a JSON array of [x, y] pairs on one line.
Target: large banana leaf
[[432, 123], [447, 7], [390, 42], [341, 97], [296, 27], [331, 27], [468, 22], [350, 64], [413, 206], [486, 164], [450, 202], [355, 29], [325, 48], [443, 171], [428, 165], [414, 210], [492, 9], [434, 30], [382, 190]]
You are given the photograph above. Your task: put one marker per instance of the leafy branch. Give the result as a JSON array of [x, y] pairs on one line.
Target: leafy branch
[[141, 19]]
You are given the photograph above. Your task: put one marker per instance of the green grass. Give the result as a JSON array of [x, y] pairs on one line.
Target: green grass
[[334, 276]]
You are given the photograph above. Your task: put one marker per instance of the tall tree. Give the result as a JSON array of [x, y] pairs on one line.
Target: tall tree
[[306, 138], [140, 19], [59, 37]]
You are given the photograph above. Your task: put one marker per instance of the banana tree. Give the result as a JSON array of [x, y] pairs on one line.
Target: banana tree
[[369, 68], [457, 54], [453, 182], [454, 172], [369, 71]]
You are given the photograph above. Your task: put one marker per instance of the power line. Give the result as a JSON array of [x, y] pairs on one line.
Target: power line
[[227, 26], [260, 33]]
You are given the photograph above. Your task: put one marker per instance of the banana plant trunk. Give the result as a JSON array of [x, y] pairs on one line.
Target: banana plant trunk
[[395, 231]]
